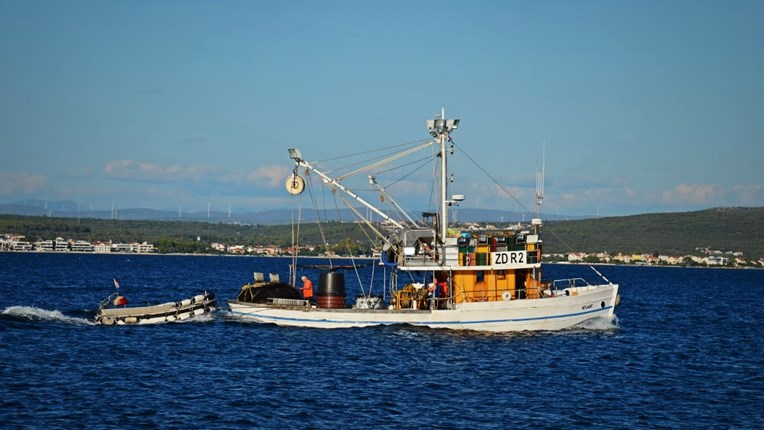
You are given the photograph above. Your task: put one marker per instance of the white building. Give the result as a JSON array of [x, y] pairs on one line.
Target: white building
[[102, 247], [143, 248], [45, 245], [716, 260], [121, 247], [82, 246], [21, 245]]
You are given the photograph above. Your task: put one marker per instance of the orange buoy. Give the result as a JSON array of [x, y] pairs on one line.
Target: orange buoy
[[120, 301]]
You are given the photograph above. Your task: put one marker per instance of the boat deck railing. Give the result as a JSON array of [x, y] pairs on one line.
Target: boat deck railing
[[288, 302], [560, 284], [105, 302], [486, 295]]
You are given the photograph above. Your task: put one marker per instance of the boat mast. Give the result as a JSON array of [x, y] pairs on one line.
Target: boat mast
[[442, 148], [440, 128]]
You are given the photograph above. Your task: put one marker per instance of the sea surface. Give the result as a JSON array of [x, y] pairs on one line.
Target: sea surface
[[685, 352]]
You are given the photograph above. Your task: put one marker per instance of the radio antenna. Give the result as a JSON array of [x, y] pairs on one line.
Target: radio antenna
[[541, 181]]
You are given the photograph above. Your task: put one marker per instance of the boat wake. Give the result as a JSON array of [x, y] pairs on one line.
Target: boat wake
[[31, 313], [205, 318], [600, 324]]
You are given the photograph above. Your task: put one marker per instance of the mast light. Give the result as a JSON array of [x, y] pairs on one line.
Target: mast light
[[295, 154], [440, 125]]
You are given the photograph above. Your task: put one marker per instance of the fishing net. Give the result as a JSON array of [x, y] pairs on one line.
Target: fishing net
[[260, 293]]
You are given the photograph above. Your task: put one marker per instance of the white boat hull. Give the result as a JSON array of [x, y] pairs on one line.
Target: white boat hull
[[552, 313], [490, 280]]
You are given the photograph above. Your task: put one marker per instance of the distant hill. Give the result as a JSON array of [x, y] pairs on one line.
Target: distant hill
[[680, 233], [732, 229], [70, 209]]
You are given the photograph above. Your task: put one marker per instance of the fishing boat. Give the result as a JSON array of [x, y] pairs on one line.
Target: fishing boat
[[113, 310], [436, 275]]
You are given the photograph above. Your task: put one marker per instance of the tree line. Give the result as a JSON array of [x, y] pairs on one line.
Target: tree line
[[682, 233]]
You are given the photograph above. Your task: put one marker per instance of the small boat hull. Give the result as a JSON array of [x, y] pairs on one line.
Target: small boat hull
[[570, 309], [167, 312]]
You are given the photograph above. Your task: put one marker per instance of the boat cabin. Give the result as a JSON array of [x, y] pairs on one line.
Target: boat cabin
[[475, 267]]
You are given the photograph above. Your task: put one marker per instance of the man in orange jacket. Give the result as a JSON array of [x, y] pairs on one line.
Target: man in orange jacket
[[307, 289]]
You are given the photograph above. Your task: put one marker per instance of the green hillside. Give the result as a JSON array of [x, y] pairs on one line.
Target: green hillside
[[733, 229], [727, 229]]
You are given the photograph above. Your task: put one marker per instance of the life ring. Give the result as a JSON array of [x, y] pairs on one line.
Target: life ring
[[506, 296], [384, 260]]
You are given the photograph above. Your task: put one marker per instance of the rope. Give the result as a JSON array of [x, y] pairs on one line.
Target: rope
[[551, 230], [318, 214], [375, 150], [296, 237], [490, 176], [348, 248], [375, 160], [385, 161]]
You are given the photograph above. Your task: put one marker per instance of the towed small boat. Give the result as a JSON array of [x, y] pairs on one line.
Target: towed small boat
[[114, 310]]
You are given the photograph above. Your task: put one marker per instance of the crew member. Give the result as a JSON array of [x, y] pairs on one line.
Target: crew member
[[307, 289], [441, 293], [432, 295]]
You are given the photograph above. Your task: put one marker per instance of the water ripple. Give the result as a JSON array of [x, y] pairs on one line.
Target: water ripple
[[685, 352]]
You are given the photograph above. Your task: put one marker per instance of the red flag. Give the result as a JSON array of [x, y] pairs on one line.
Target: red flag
[[116, 284]]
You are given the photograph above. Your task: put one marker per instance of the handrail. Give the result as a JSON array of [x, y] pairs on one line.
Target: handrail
[[570, 282], [105, 302]]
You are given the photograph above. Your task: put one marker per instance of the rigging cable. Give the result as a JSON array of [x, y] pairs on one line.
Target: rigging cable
[[296, 235], [386, 160], [564, 243], [419, 141], [390, 152], [318, 213], [391, 199], [348, 247]]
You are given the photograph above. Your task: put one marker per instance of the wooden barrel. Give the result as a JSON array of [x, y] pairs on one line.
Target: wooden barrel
[[330, 302]]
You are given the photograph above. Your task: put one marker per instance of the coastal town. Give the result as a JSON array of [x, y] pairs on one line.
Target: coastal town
[[703, 257], [17, 243]]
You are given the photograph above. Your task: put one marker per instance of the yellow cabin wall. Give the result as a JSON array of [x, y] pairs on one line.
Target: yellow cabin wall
[[463, 286], [466, 288]]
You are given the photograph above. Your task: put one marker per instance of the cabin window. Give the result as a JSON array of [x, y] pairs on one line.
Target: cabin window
[[500, 274], [479, 276]]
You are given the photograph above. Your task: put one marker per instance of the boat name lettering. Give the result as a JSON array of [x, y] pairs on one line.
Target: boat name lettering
[[513, 257], [587, 306]]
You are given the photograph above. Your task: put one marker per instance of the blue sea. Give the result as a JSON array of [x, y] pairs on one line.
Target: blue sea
[[685, 352]]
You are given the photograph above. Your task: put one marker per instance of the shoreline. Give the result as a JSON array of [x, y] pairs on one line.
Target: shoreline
[[178, 254]]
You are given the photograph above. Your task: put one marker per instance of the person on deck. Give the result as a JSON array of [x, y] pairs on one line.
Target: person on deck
[[432, 295], [441, 293], [307, 289]]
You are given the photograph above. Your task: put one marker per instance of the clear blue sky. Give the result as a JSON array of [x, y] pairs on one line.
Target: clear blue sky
[[644, 106]]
